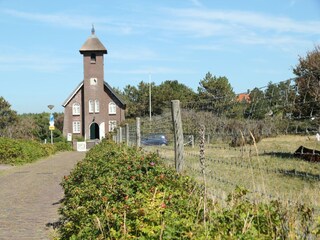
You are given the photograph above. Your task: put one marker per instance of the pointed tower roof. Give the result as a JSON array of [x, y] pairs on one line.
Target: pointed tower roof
[[93, 44]]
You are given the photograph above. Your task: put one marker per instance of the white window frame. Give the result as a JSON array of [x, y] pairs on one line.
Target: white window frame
[[91, 106], [96, 106], [112, 108], [112, 125], [76, 126], [76, 108]]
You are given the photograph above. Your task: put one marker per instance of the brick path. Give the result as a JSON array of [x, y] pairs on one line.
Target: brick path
[[30, 194]]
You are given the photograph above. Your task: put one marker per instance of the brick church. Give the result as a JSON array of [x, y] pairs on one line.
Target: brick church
[[93, 108]]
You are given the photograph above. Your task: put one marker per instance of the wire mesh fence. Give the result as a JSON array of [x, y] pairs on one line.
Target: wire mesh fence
[[249, 142]]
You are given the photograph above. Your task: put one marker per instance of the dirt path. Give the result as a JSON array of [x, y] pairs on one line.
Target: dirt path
[[30, 195]]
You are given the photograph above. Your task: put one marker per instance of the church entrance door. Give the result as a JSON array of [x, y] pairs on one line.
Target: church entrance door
[[94, 131]]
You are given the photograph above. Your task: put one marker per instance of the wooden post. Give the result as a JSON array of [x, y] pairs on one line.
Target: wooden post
[[127, 134], [192, 141], [203, 170], [178, 135], [138, 133], [120, 134], [201, 146], [118, 137]]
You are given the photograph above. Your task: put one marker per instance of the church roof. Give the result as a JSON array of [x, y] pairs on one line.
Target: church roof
[[65, 103], [93, 44]]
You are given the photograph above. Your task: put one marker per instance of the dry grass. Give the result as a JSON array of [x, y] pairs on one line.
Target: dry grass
[[257, 169]]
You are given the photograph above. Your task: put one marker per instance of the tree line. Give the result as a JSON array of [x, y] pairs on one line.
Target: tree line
[[33, 126], [293, 99]]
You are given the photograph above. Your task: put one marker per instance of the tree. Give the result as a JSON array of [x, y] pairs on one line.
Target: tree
[[8, 117], [36, 126], [58, 121], [308, 84], [280, 98], [258, 107], [130, 96], [167, 91], [24, 127], [215, 92], [137, 99]]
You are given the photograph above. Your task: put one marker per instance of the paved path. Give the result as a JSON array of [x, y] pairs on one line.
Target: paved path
[[30, 194]]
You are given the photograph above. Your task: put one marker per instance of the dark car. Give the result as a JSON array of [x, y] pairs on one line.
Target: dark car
[[154, 139]]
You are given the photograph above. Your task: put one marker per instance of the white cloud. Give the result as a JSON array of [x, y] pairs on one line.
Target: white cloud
[[200, 22], [134, 54], [72, 20], [152, 70], [242, 19], [169, 24], [199, 27], [57, 19], [266, 40], [42, 63], [243, 28]]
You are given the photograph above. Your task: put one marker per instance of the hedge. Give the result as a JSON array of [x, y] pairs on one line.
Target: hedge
[[19, 151], [118, 192]]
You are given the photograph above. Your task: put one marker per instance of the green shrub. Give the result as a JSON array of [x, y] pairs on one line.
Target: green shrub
[[19, 151], [63, 146], [118, 192], [116, 185], [48, 148], [31, 151], [9, 149]]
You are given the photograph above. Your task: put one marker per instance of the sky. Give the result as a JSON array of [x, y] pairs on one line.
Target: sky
[[251, 42]]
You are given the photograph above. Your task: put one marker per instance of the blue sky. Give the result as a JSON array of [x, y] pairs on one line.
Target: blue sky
[[251, 42]]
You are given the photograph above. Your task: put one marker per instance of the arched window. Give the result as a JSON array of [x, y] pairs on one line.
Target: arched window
[[91, 106], [96, 106], [76, 109], [112, 108]]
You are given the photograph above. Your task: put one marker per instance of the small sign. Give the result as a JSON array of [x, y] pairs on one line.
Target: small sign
[[51, 128], [69, 137], [51, 121], [81, 146]]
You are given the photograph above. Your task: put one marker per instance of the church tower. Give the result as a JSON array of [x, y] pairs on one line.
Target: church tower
[[93, 86], [93, 108]]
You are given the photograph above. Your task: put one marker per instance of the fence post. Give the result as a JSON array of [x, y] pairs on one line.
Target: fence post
[[120, 134], [138, 133], [203, 169], [178, 135], [201, 146], [118, 138], [127, 134], [192, 141]]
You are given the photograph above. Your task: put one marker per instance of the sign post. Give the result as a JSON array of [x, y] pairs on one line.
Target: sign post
[[51, 122]]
